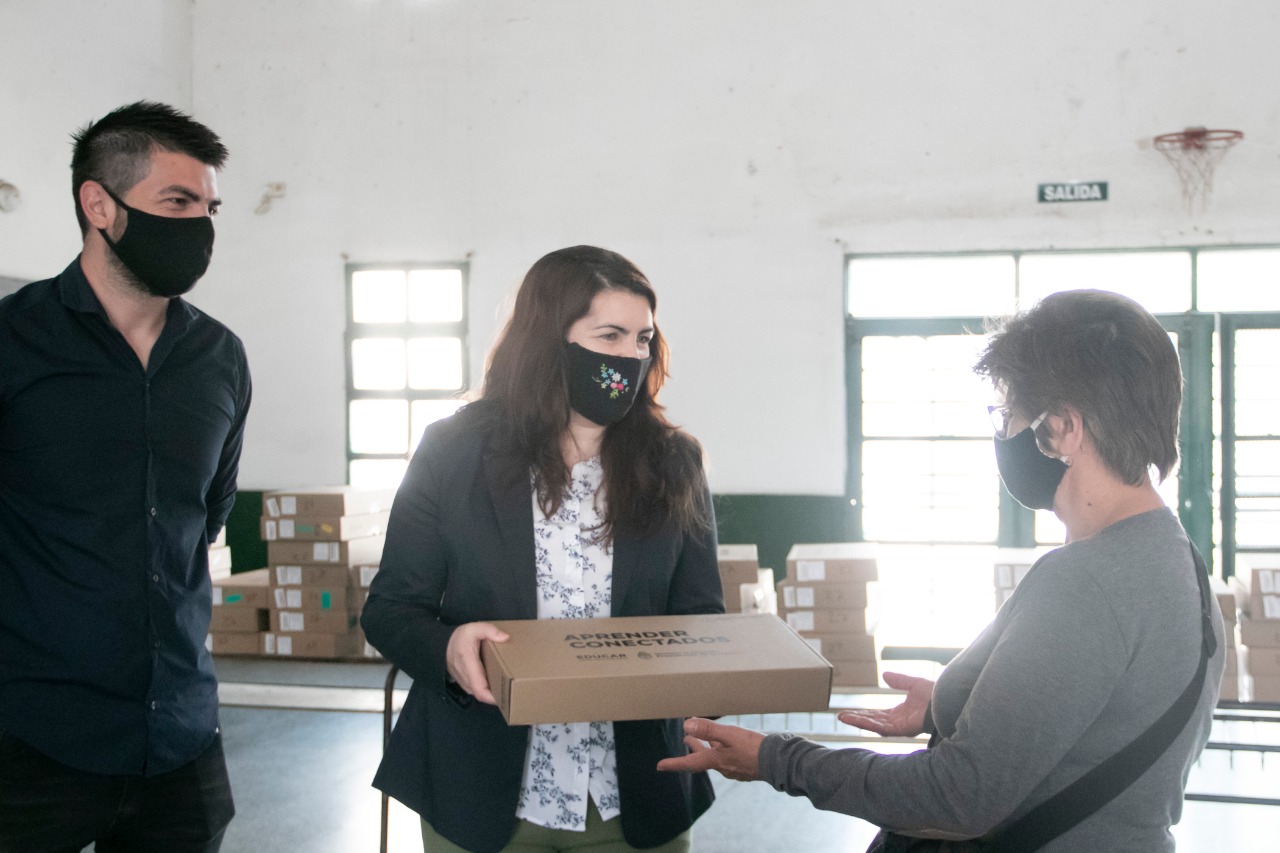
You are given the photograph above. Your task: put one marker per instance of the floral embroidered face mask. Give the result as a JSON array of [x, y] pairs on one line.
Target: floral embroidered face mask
[[602, 387]]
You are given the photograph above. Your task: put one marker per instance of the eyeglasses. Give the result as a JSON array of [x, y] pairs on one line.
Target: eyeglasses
[[1002, 415]]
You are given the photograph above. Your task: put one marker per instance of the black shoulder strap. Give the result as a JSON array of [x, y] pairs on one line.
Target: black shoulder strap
[[1109, 779]]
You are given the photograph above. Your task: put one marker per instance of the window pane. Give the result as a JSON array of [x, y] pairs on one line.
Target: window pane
[[1158, 281], [1049, 529], [924, 386], [377, 296], [435, 363], [379, 426], [1242, 280], [426, 412], [919, 491], [955, 286], [1258, 494], [377, 364], [1257, 393], [435, 296], [377, 473], [934, 595]]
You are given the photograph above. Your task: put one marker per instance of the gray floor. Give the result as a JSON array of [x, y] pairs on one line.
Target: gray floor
[[301, 781]]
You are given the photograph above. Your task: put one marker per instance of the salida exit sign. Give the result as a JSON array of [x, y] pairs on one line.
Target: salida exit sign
[[1073, 191]]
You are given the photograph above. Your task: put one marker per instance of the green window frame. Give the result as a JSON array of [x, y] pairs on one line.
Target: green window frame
[[1206, 344]]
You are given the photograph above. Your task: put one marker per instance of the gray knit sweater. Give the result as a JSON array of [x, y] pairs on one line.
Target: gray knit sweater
[[1094, 645]]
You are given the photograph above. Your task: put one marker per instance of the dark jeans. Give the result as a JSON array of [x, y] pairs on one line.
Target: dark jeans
[[47, 807]]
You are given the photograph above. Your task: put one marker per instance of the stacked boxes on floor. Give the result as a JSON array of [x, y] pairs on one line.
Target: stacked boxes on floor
[[220, 557], [239, 613], [363, 576], [1228, 604], [318, 542], [1260, 631], [830, 598], [747, 587]]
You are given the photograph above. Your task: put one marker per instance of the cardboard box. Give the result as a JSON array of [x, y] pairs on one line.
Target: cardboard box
[[219, 562], [839, 562], [311, 645], [220, 541], [734, 556], [326, 501], [826, 596], [318, 598], [325, 577], [355, 552], [756, 598], [733, 584], [342, 528], [1260, 632], [855, 673], [1012, 564], [1260, 660], [1264, 688], [1230, 691], [1226, 600], [233, 644], [238, 620], [639, 668], [832, 621], [844, 647], [1264, 593], [247, 589], [312, 621]]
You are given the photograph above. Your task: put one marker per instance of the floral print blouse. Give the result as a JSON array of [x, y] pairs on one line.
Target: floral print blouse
[[569, 762]]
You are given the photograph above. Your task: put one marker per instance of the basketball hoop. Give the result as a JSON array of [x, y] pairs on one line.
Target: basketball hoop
[[1194, 153]]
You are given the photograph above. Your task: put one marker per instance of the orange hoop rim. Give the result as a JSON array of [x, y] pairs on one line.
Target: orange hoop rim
[[1197, 139]]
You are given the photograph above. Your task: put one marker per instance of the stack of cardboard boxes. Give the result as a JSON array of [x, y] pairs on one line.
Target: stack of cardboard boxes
[[830, 598], [747, 587], [1259, 654], [321, 543], [239, 613], [1228, 604]]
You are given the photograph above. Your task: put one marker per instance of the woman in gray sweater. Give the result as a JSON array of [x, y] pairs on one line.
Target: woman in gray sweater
[[1094, 645]]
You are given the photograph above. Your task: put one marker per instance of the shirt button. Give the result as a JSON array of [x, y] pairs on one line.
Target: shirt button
[[155, 578], [153, 512], [155, 644], [153, 704]]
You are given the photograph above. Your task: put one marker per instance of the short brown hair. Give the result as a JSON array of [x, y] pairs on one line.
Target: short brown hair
[[1105, 356]]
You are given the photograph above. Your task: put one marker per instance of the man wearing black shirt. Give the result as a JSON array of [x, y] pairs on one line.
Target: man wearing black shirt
[[122, 411]]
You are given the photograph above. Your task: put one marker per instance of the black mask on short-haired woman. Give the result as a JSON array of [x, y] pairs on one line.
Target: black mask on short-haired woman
[[602, 387], [1030, 476]]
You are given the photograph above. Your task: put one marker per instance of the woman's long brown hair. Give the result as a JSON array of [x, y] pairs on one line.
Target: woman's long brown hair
[[652, 470]]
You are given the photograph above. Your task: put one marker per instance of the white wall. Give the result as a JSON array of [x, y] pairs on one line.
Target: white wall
[[735, 150], [64, 63]]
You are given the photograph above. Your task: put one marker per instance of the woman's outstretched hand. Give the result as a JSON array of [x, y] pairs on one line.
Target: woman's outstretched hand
[[905, 720]]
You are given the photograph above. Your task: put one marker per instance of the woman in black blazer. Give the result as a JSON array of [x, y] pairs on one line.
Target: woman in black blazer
[[562, 492]]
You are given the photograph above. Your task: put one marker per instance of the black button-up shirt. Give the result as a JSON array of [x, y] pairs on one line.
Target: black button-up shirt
[[113, 482]]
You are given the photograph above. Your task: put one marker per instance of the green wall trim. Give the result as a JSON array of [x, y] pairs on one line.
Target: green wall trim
[[773, 523]]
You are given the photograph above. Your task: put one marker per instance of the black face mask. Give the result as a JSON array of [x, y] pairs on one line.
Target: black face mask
[[167, 255], [1030, 476], [603, 387]]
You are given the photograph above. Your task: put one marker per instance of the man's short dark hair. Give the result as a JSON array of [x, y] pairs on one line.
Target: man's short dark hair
[[116, 149], [1104, 355]]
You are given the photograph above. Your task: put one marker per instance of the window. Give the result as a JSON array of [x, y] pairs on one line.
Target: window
[[921, 477], [407, 361]]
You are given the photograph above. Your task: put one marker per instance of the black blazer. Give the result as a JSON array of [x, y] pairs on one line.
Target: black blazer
[[460, 549]]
